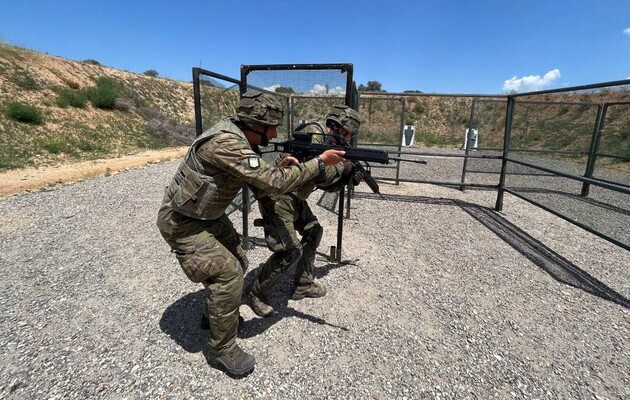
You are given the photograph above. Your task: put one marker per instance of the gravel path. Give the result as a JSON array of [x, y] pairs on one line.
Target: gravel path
[[445, 299]]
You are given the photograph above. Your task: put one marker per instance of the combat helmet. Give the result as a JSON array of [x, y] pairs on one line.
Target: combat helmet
[[344, 116], [259, 109]]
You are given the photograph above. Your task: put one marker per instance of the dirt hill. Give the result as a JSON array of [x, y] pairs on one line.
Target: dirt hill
[[54, 111], [50, 116]]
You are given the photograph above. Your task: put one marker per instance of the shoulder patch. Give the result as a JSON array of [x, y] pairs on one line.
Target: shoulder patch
[[253, 162]]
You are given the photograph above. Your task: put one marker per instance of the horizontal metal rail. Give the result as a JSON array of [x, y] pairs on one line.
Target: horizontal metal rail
[[574, 88], [499, 98], [548, 102], [546, 151], [616, 187], [571, 220], [458, 184], [285, 67], [510, 173], [626, 158]]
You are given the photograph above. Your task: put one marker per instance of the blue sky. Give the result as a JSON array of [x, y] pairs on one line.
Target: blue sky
[[441, 46]]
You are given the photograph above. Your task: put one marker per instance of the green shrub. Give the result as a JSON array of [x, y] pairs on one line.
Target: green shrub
[[151, 72], [72, 84], [54, 145], [419, 108], [25, 80], [104, 94], [71, 97], [23, 113]]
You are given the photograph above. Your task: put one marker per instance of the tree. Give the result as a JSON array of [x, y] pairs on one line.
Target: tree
[[282, 89], [151, 72], [372, 86]]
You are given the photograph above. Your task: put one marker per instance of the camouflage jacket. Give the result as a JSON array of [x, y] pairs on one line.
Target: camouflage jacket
[[213, 171], [332, 173]]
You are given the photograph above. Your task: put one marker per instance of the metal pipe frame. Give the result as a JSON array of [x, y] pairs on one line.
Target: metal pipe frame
[[597, 182], [571, 220], [344, 68]]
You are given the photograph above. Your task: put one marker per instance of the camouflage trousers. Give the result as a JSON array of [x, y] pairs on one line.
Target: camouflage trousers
[[283, 215], [210, 253]]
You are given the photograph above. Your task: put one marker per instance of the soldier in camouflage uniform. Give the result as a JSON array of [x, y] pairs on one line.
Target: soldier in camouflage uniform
[[283, 214], [192, 216]]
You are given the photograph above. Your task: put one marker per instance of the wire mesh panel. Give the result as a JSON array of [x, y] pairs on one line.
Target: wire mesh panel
[[298, 81], [381, 120], [308, 89], [604, 210], [216, 97], [440, 123], [489, 121], [554, 126], [558, 144], [488, 124], [312, 108], [613, 146]]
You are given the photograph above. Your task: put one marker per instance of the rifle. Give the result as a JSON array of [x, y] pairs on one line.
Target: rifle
[[301, 146]]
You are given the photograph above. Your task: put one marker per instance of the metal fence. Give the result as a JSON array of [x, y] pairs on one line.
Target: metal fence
[[440, 122], [566, 151], [571, 158]]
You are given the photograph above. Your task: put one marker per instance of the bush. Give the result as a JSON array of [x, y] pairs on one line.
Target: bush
[[54, 145], [91, 62], [71, 84], [70, 97], [151, 72], [24, 80], [105, 93], [23, 113], [122, 104], [419, 108], [165, 129]]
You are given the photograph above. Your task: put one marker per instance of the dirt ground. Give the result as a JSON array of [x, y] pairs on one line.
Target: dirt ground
[[33, 179]]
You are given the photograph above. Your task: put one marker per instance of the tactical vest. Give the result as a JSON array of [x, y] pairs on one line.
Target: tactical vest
[[192, 191]]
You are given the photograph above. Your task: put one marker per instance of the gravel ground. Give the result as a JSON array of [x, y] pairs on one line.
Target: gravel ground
[[441, 297]]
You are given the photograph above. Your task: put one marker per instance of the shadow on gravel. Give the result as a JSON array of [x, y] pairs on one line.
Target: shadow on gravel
[[279, 298], [548, 260], [577, 197], [182, 322], [542, 256]]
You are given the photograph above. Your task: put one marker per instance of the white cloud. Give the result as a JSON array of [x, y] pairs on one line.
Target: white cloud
[[321, 89], [626, 31], [531, 83], [272, 88]]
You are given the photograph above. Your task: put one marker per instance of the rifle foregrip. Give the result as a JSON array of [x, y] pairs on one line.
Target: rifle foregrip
[[368, 155], [367, 178]]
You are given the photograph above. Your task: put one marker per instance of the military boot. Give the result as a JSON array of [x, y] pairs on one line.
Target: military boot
[[312, 289], [260, 304], [235, 362]]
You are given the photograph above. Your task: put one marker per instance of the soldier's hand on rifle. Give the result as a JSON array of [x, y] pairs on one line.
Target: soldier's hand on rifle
[[332, 157], [357, 177], [288, 160]]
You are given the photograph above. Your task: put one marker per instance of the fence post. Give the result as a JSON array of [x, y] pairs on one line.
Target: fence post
[[592, 153], [509, 115], [402, 134], [467, 144], [342, 191]]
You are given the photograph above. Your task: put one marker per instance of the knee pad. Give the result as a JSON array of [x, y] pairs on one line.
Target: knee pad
[[288, 258], [313, 236]]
